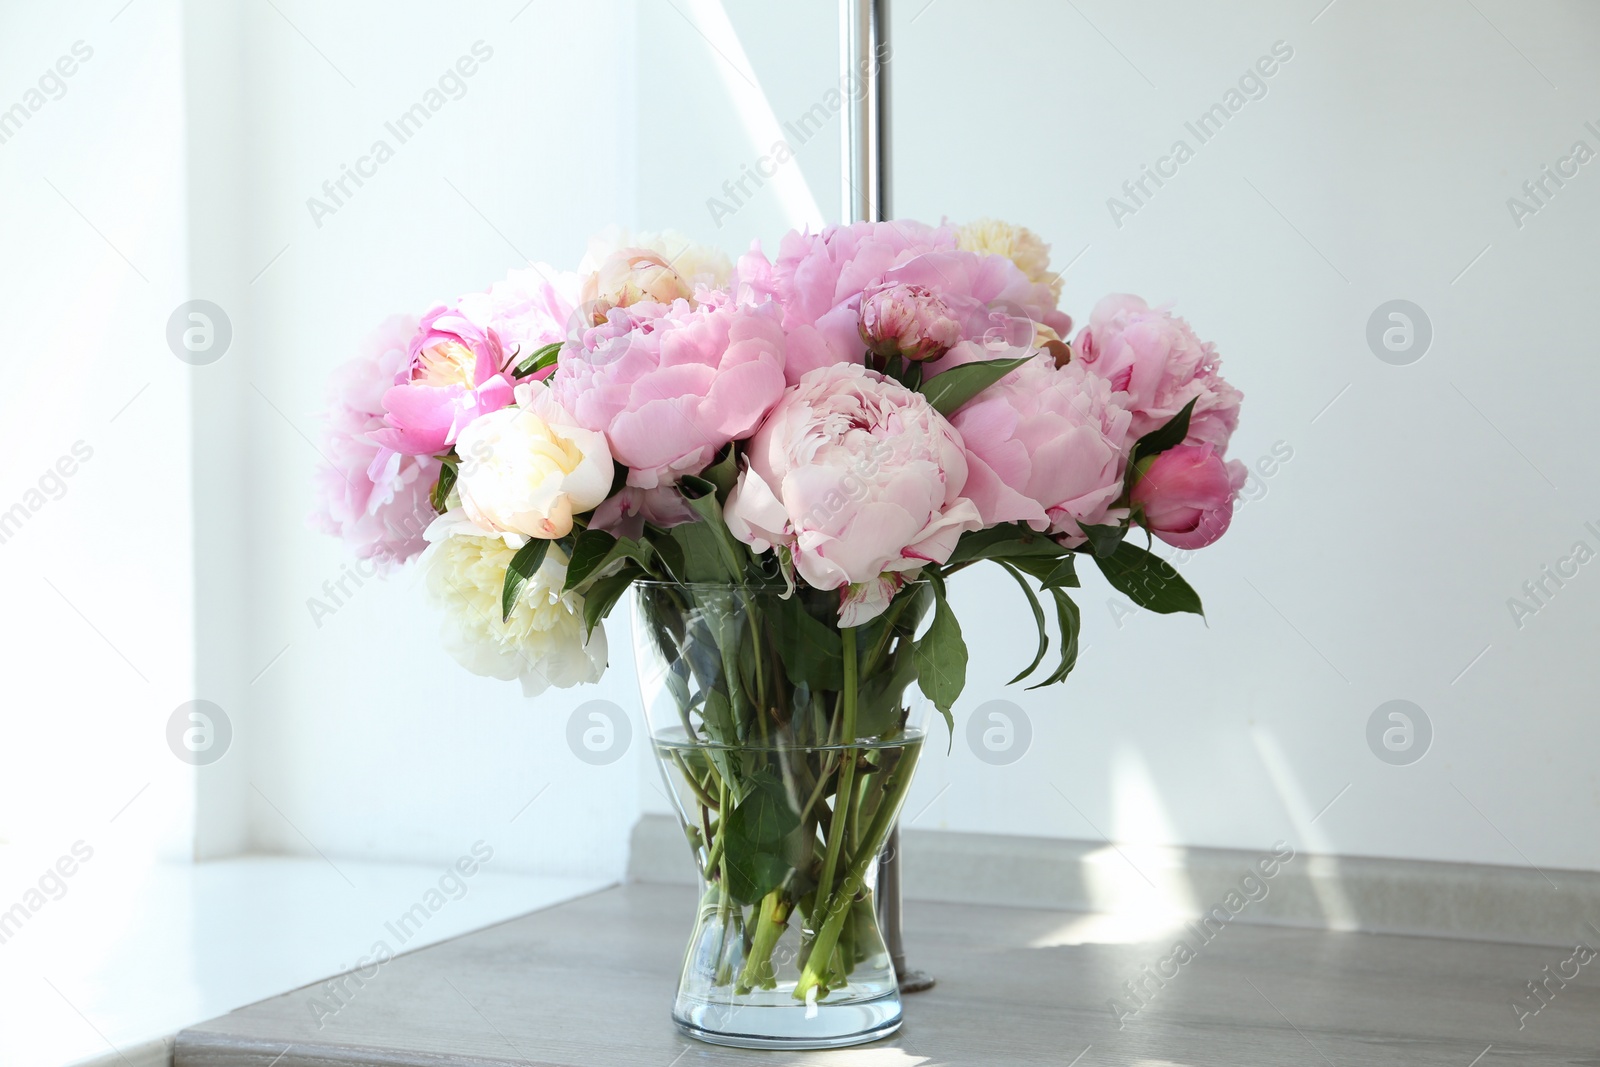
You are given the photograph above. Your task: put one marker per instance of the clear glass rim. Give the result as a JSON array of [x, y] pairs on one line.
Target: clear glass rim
[[908, 735]]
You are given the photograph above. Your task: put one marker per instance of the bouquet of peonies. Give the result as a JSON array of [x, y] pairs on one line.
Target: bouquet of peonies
[[788, 459], [885, 402]]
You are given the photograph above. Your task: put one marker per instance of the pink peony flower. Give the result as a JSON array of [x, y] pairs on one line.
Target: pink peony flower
[[907, 320], [834, 290], [1004, 313], [1186, 495], [379, 506], [626, 511], [819, 273], [671, 384], [860, 479], [457, 371], [531, 308], [754, 280], [819, 278], [1047, 446], [1154, 357]]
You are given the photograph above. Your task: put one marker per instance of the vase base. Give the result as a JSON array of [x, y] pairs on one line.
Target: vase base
[[789, 1027]]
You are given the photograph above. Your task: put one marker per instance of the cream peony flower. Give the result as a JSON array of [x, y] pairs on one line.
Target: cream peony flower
[[529, 468], [542, 643], [1020, 245], [701, 266], [632, 276]]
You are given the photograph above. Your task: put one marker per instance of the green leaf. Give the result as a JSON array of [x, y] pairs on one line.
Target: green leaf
[[949, 389], [881, 705], [524, 565], [752, 873], [1148, 581], [723, 474], [942, 655], [1010, 541], [589, 554], [717, 717], [1065, 575], [669, 552], [1069, 620], [446, 482], [604, 594], [1170, 433], [537, 360], [696, 555], [1103, 539], [701, 496], [809, 647], [597, 550], [891, 637], [695, 489], [765, 816], [1167, 435], [1038, 620], [1052, 573], [757, 832]]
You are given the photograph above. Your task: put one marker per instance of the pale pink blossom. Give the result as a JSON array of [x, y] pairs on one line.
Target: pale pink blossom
[[854, 288], [531, 308], [1156, 359], [818, 279], [671, 384], [626, 511], [858, 479], [1046, 446], [375, 499]]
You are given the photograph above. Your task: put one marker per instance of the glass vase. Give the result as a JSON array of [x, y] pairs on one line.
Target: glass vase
[[788, 744]]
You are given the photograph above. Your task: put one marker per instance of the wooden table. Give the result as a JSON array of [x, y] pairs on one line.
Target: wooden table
[[590, 982]]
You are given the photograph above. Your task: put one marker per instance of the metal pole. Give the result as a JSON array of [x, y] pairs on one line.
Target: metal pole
[[864, 61]]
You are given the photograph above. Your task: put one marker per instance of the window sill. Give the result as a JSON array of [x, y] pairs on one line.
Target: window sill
[[110, 972]]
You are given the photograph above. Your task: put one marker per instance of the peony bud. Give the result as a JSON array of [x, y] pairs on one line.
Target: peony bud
[[907, 320], [1186, 496]]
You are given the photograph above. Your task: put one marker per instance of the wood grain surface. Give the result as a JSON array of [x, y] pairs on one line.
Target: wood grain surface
[[590, 983]]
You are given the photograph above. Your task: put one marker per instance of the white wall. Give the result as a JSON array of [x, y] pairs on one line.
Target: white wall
[[1379, 560], [360, 736], [1379, 563], [1376, 565], [97, 633]]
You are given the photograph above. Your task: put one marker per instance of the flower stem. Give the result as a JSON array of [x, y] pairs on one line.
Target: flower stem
[[714, 858], [847, 768], [724, 899], [837, 908], [757, 971], [693, 782]]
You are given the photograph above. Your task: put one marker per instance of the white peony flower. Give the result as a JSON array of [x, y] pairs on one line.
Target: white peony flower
[[542, 643], [1020, 245], [528, 468]]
